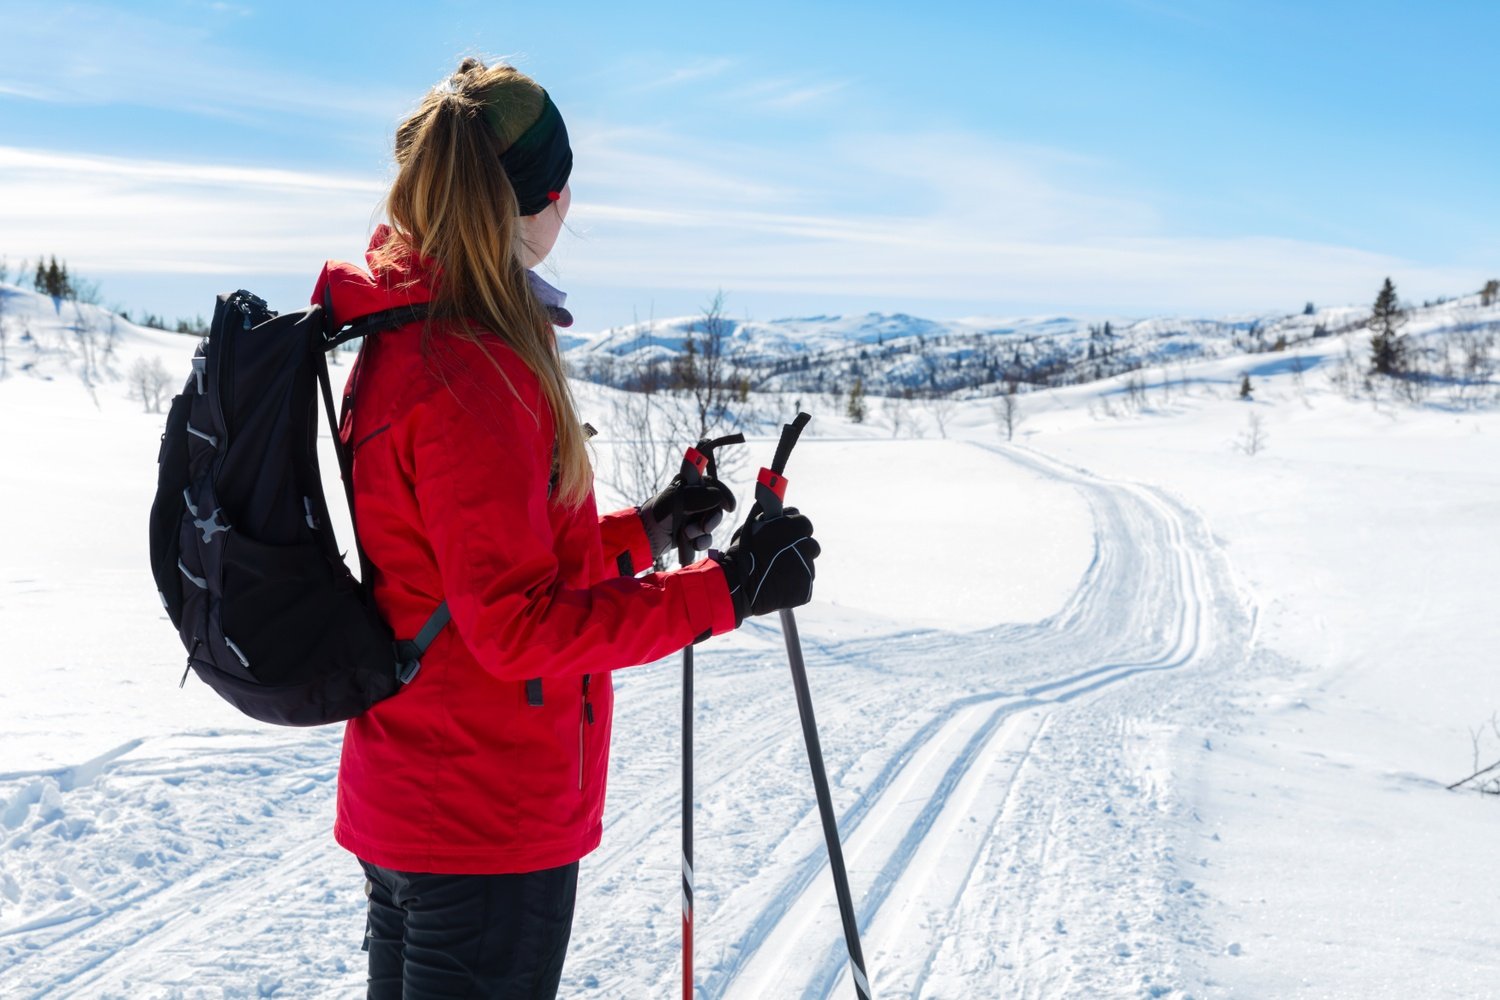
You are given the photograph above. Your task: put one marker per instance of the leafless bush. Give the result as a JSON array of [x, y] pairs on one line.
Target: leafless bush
[[895, 411], [4, 336], [1482, 779], [149, 382], [1347, 375], [941, 408], [1252, 439], [1008, 413], [84, 334]]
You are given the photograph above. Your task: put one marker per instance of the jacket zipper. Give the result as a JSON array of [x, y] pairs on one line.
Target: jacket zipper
[[585, 717]]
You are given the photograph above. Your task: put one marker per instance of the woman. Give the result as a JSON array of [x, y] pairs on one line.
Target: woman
[[471, 795]]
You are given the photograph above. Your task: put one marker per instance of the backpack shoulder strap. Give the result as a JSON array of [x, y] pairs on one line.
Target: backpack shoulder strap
[[363, 326], [408, 652]]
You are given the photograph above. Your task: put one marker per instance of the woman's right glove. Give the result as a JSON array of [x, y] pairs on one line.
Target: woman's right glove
[[770, 564]]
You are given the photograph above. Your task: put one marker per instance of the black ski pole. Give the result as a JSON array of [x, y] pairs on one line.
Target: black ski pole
[[770, 490], [697, 462]]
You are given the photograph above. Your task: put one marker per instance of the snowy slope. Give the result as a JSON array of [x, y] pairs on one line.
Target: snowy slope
[[1113, 710], [899, 354]]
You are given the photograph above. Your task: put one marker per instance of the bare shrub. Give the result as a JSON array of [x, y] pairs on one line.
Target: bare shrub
[[1252, 440], [149, 382]]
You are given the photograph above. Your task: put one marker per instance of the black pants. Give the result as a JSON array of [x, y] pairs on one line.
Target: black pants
[[490, 937]]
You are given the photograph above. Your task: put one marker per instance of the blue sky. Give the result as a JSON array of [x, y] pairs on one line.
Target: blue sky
[[1092, 157]]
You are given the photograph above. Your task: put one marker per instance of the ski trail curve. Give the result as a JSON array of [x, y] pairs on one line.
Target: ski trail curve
[[1146, 604]]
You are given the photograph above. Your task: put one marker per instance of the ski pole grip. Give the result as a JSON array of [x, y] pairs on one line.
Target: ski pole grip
[[770, 492], [694, 465], [698, 461], [789, 435], [770, 485]]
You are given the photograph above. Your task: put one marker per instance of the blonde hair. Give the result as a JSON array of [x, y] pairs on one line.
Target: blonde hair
[[452, 203]]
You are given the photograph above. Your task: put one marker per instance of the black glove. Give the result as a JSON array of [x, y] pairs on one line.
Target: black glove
[[769, 564], [685, 514]]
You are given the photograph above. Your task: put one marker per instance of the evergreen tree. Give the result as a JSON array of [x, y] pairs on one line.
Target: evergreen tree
[[40, 281], [1387, 347], [1246, 390], [856, 409]]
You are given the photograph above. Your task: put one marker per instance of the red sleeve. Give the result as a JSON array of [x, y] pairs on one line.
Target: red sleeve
[[480, 465], [626, 545]]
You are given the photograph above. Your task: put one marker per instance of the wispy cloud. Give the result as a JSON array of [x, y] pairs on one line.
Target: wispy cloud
[[786, 93], [105, 55], [985, 223], [796, 97], [43, 163], [693, 71], [987, 228], [122, 214]]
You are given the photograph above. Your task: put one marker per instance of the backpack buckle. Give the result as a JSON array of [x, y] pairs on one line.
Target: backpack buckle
[[406, 669]]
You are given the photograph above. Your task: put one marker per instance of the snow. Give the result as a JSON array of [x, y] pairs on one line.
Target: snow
[[1112, 710]]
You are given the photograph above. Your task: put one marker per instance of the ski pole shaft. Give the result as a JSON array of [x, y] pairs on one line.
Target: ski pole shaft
[[693, 466], [687, 823], [770, 489], [698, 462], [825, 805]]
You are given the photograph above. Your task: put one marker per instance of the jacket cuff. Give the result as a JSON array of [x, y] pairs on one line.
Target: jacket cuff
[[707, 592], [627, 534]]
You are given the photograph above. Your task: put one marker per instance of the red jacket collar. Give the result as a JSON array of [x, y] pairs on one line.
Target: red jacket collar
[[349, 291]]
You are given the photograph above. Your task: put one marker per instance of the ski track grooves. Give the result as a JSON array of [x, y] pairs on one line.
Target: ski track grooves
[[122, 921], [1136, 528], [918, 806]]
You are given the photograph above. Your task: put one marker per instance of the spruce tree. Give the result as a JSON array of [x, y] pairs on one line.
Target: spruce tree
[[1387, 347], [856, 410]]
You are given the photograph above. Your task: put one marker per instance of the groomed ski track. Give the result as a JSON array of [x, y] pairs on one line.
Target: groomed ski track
[[1005, 796], [1156, 598]]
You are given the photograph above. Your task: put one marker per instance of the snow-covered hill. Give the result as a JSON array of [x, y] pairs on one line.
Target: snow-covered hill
[[1116, 709], [905, 355]]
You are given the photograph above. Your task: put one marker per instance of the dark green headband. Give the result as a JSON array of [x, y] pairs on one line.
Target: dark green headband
[[539, 161]]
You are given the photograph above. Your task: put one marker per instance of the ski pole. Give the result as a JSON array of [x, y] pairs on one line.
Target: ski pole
[[697, 462], [770, 491]]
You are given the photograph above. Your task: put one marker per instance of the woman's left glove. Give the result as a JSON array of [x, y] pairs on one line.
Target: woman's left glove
[[684, 515]]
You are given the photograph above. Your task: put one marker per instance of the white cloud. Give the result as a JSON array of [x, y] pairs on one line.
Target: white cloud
[[692, 71], [82, 53], [784, 93], [121, 214], [985, 228]]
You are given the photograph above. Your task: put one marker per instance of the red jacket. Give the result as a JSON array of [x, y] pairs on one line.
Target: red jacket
[[458, 773]]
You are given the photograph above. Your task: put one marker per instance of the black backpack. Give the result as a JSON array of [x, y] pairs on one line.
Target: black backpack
[[241, 544]]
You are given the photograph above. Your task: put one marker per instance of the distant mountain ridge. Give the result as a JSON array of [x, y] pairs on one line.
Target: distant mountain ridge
[[890, 354], [899, 354]]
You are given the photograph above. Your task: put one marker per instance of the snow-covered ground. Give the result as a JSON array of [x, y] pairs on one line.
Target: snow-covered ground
[[1113, 710]]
